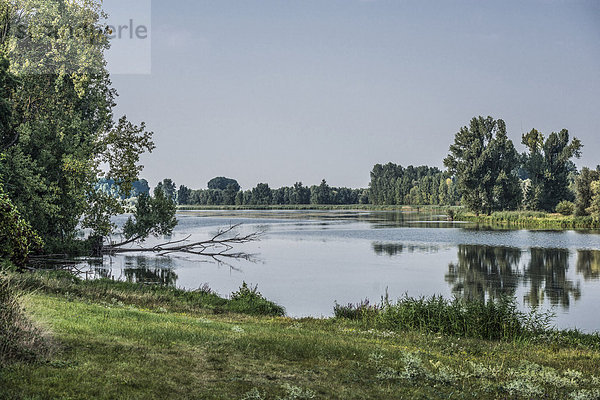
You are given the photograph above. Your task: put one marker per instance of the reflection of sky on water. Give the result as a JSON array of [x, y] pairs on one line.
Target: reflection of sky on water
[[309, 260]]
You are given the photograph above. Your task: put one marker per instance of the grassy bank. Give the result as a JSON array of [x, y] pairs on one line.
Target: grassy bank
[[138, 343], [531, 220]]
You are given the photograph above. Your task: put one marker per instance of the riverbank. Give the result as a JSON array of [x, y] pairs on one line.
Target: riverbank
[[118, 340], [531, 220]]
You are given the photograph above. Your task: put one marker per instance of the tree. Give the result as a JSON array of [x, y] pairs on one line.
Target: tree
[[230, 193], [183, 195], [153, 216], [594, 208], [548, 165], [8, 85], [222, 183], [140, 187], [484, 162], [321, 194], [584, 191], [261, 194], [17, 239], [169, 188], [58, 126]]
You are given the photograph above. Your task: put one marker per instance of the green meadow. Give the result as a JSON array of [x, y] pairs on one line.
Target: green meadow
[[111, 340]]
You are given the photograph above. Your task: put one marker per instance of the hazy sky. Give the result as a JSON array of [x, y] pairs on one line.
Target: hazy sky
[[300, 90]]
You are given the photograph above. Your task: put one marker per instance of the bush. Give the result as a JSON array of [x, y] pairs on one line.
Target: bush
[[565, 208], [248, 300], [17, 239], [20, 340]]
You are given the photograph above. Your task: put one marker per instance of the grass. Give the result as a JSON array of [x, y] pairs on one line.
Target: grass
[[123, 350], [247, 300], [532, 220], [20, 339]]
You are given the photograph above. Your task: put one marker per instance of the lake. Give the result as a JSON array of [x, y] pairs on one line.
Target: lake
[[308, 260]]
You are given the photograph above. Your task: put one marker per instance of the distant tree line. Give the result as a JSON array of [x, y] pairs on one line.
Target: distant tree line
[[485, 173], [227, 191]]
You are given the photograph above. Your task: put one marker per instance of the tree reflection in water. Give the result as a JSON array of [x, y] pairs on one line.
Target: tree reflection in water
[[588, 264], [484, 272], [155, 270], [394, 249], [547, 277]]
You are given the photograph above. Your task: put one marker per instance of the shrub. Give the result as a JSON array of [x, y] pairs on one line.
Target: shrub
[[20, 340], [565, 208], [248, 300]]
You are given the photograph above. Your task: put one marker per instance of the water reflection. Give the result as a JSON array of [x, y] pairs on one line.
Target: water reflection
[[393, 249], [484, 272], [547, 277], [141, 269], [588, 264]]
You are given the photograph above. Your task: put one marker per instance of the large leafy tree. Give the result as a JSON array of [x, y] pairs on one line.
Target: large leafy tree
[[484, 162], [222, 183], [57, 122], [548, 164]]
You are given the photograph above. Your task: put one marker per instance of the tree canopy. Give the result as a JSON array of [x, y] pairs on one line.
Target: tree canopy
[[485, 164], [58, 134]]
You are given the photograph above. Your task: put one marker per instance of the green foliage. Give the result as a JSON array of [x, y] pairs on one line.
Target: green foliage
[[168, 187], [247, 300], [222, 183], [485, 163], [548, 165], [261, 194], [321, 194], [8, 85], [183, 195], [594, 209], [565, 207], [61, 128], [17, 238], [153, 216], [498, 319], [583, 189], [393, 184]]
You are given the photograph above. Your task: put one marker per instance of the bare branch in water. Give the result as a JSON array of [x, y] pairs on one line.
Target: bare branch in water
[[219, 248]]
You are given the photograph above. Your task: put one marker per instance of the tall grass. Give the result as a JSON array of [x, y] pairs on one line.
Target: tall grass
[[20, 340], [492, 320]]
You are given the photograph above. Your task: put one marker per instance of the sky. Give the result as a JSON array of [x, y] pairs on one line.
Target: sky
[[303, 90]]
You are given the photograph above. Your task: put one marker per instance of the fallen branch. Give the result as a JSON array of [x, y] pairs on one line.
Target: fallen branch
[[218, 248]]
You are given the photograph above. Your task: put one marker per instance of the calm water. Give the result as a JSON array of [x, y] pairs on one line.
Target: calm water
[[307, 261]]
